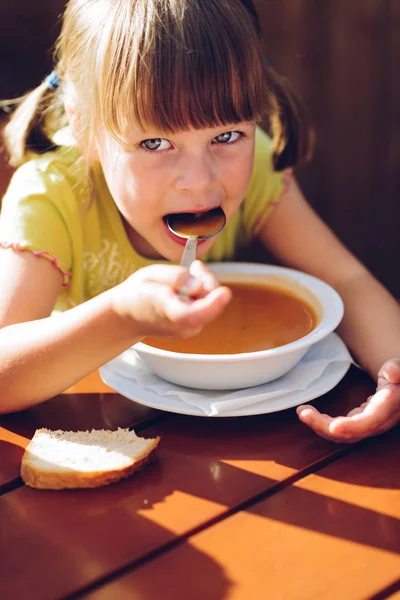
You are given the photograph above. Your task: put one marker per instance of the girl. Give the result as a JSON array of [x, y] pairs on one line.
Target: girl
[[154, 110]]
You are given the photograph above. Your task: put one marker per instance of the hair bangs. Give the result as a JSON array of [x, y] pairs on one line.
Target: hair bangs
[[197, 66]]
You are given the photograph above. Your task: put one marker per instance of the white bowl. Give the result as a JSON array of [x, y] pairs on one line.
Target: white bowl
[[234, 371]]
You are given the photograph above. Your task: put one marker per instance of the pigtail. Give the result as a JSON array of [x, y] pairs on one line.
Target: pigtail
[[292, 137], [34, 117]]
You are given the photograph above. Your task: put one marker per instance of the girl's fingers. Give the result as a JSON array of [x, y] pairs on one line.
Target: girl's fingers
[[173, 276], [200, 281], [196, 282], [191, 288], [390, 371], [200, 311], [380, 413], [317, 421], [357, 410], [199, 270]]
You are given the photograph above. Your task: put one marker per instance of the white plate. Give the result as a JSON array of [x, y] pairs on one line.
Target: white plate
[[130, 389]]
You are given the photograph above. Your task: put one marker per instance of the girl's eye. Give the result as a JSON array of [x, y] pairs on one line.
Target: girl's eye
[[154, 144], [227, 138]]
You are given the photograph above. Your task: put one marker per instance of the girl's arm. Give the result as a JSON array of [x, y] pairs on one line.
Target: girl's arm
[[371, 325], [42, 355]]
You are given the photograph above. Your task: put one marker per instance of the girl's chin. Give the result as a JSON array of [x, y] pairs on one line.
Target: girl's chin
[[169, 254], [175, 254], [172, 249]]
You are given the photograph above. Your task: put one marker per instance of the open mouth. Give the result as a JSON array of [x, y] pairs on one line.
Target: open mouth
[[203, 224], [180, 225], [189, 216]]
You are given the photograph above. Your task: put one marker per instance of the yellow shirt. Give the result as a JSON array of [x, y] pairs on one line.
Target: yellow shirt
[[50, 209]]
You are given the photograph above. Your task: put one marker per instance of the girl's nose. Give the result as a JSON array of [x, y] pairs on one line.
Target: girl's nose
[[196, 174]]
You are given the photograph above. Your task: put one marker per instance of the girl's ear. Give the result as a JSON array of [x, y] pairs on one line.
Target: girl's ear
[[73, 119], [74, 122]]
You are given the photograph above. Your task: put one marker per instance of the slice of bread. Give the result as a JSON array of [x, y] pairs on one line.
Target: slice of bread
[[56, 460]]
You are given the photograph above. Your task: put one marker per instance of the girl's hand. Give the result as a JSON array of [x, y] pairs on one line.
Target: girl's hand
[[150, 303], [378, 414]]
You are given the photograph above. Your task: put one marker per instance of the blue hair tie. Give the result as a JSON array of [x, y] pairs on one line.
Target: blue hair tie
[[52, 80], [266, 62]]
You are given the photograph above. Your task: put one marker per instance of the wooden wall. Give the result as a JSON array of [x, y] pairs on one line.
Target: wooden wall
[[342, 57]]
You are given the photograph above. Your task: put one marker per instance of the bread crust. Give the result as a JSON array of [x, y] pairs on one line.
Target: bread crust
[[39, 478]]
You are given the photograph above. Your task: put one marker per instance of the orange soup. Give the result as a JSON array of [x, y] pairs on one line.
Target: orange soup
[[258, 317]]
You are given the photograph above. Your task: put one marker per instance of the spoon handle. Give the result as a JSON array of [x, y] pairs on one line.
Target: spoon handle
[[189, 254]]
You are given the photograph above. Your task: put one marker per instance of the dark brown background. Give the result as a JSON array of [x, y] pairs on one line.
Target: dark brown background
[[342, 58]]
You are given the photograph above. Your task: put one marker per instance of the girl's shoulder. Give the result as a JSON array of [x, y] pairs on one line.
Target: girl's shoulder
[[57, 173]]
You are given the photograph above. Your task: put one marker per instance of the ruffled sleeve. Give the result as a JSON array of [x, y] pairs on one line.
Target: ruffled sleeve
[[38, 213]]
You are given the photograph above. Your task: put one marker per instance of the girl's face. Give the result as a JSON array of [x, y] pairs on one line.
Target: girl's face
[[190, 171]]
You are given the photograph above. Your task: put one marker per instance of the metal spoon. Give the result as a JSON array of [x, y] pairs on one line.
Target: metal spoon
[[193, 227]]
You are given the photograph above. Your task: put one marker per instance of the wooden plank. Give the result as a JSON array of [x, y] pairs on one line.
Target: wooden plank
[[10, 463], [92, 384], [334, 534], [206, 467]]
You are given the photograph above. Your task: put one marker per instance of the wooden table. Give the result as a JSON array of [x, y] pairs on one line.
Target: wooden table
[[251, 508]]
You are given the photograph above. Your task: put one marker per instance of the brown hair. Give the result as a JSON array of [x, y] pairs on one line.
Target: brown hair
[[171, 64]]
